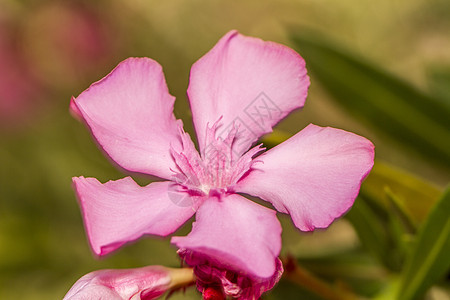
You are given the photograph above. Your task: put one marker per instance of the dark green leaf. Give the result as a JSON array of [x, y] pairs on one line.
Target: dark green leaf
[[371, 230], [286, 290], [385, 102], [356, 269], [439, 81], [430, 259]]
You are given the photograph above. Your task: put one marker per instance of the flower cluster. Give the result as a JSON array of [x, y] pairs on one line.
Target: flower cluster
[[238, 91]]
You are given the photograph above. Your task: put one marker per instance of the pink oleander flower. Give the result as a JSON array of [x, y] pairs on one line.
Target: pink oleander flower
[[215, 281], [128, 284], [238, 91]]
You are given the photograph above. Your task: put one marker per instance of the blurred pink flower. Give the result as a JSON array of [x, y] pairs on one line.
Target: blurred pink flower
[[80, 39], [215, 281], [127, 284], [19, 89], [238, 91]]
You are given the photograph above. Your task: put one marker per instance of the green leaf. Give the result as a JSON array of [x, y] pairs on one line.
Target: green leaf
[[415, 195], [355, 269], [400, 230], [286, 290], [400, 213], [391, 205], [430, 259], [371, 230], [439, 82], [388, 104], [390, 290]]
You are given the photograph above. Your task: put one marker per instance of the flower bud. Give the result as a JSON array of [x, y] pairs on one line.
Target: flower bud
[[132, 284]]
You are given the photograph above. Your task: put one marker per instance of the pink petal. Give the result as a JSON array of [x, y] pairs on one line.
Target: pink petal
[[121, 211], [314, 176], [141, 283], [247, 81], [239, 234], [130, 114]]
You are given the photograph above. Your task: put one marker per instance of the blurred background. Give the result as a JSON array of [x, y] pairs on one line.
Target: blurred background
[[378, 68]]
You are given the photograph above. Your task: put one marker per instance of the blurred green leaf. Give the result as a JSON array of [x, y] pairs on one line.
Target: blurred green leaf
[[286, 290], [388, 104], [401, 228], [430, 259], [390, 207], [355, 269], [371, 231], [389, 292], [439, 82], [415, 195], [400, 212]]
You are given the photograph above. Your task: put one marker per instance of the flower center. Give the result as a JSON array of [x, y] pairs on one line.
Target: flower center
[[217, 168]]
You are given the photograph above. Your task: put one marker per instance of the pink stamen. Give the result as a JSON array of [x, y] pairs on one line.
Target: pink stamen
[[215, 169]]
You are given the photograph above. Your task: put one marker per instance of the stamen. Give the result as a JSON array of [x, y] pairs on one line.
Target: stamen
[[214, 170]]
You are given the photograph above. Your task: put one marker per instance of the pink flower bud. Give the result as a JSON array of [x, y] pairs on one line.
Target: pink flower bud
[[132, 284]]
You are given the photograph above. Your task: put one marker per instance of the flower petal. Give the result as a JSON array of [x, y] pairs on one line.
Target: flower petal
[[239, 234], [247, 81], [314, 176], [130, 114], [121, 211], [149, 282]]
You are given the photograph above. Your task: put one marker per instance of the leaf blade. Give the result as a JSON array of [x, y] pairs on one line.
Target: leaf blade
[[383, 101], [430, 258]]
